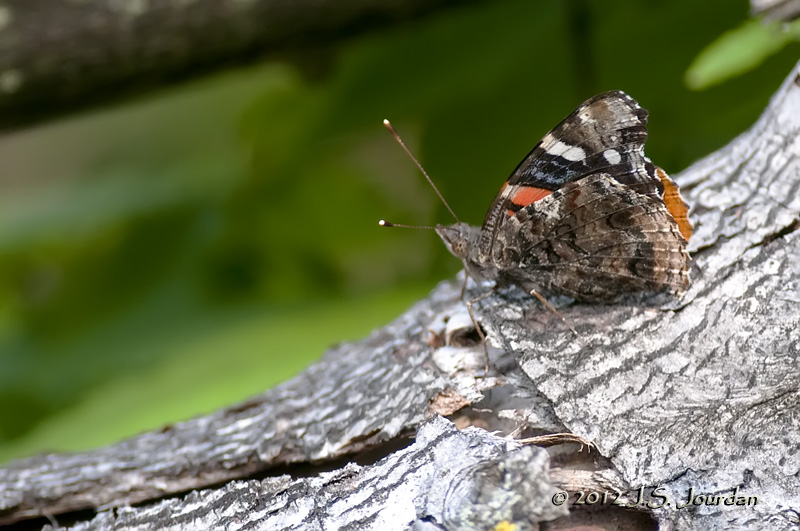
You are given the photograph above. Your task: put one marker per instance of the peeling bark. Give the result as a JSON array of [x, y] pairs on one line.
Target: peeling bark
[[699, 395], [480, 468]]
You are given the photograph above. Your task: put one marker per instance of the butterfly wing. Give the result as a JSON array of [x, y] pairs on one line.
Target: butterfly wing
[[605, 134], [594, 239]]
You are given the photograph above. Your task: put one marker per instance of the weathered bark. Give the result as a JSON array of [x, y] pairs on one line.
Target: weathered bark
[[58, 55], [701, 393], [478, 465]]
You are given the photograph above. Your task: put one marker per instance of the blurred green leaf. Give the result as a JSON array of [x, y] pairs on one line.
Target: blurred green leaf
[[738, 51]]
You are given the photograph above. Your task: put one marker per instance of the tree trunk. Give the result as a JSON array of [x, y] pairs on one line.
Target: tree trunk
[[699, 397]]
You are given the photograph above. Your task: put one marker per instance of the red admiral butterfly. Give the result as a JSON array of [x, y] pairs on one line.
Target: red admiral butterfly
[[585, 214]]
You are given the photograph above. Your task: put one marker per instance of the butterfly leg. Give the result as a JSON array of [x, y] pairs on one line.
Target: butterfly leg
[[464, 284], [469, 304], [555, 312]]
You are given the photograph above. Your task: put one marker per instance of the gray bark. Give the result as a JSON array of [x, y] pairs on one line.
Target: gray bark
[[700, 393], [481, 468], [59, 55]]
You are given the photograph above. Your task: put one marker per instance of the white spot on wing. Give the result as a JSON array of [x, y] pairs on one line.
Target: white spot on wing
[[560, 149], [612, 156]]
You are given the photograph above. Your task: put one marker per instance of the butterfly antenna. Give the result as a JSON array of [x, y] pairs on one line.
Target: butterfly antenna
[[384, 223], [388, 126]]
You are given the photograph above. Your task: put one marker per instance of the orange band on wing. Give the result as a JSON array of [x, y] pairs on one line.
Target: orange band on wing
[[529, 194], [675, 205]]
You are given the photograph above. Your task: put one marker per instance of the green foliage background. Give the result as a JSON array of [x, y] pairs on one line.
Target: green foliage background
[[165, 257]]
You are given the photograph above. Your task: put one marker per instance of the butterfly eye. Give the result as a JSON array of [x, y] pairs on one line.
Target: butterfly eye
[[455, 238]]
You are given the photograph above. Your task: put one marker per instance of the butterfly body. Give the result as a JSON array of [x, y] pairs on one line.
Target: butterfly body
[[584, 214]]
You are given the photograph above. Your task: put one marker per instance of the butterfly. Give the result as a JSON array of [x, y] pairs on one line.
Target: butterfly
[[585, 214]]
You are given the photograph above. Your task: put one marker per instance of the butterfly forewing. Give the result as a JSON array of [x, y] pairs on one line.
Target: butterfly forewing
[[605, 134]]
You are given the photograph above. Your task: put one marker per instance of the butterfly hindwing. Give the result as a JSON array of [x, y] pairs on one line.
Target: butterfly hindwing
[[593, 239]]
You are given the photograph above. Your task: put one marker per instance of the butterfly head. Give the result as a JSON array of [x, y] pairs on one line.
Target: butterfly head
[[463, 241], [459, 238]]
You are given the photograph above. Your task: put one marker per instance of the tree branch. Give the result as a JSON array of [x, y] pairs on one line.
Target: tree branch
[[699, 395], [57, 55]]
